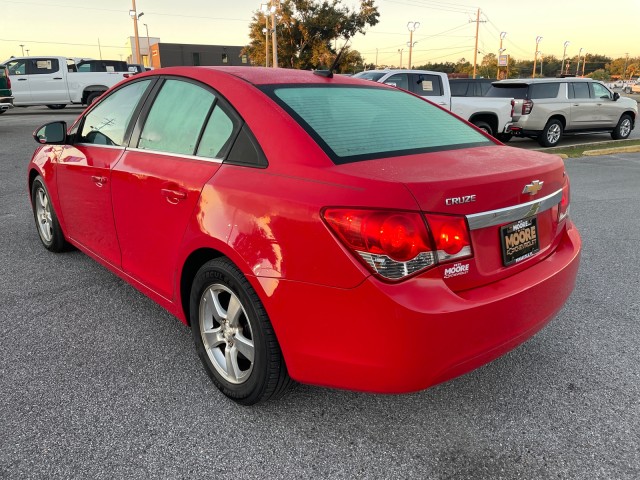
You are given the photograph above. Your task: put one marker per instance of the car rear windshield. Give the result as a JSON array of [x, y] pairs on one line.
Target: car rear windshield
[[354, 123], [508, 91], [532, 92]]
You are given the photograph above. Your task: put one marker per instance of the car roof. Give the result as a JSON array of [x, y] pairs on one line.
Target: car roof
[[529, 81], [264, 75]]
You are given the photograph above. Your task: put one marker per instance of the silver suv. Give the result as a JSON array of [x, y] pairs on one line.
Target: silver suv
[[547, 108]]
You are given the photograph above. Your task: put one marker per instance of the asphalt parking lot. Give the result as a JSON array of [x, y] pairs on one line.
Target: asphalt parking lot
[[97, 381]]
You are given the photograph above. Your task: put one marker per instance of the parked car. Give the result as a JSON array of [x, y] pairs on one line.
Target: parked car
[[54, 82], [102, 66], [490, 115], [6, 99], [323, 229], [470, 87], [548, 108]]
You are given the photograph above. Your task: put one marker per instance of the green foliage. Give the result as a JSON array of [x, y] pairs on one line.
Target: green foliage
[[600, 74], [310, 33]]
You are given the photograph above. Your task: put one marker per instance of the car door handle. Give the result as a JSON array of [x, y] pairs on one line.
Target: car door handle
[[576, 104], [98, 180], [57, 78], [23, 79], [173, 196]]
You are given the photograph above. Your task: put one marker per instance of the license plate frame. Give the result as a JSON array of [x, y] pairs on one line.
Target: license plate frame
[[519, 240]]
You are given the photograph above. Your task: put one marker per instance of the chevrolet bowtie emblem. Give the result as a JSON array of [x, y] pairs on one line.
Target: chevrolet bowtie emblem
[[533, 188]]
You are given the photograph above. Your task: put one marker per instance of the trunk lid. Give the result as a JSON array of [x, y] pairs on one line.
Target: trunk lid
[[492, 187]]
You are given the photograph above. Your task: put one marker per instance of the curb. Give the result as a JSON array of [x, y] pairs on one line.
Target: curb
[[608, 151]]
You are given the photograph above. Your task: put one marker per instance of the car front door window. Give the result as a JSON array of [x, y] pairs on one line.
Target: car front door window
[[107, 123]]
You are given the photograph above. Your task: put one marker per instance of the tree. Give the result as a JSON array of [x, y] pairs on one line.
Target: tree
[[310, 31], [600, 74]]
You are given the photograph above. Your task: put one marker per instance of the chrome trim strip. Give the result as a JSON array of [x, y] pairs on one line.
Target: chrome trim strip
[[511, 214], [179, 155]]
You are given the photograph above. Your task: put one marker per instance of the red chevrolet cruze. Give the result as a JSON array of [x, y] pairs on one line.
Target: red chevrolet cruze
[[323, 229]]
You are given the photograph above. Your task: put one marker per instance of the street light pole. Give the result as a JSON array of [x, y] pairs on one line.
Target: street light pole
[[500, 50], [265, 10], [412, 27], [584, 62], [148, 46], [541, 62], [400, 52], [535, 56], [22, 47], [564, 54], [578, 66]]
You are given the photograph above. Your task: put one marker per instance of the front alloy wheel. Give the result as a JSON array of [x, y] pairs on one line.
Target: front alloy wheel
[[46, 219], [623, 128]]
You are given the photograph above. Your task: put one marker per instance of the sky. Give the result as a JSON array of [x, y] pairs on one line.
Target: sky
[[446, 32]]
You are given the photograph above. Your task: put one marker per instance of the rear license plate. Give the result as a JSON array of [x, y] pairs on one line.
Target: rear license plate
[[519, 240]]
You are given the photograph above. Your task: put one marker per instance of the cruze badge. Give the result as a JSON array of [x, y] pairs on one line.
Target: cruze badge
[[460, 200], [533, 188]]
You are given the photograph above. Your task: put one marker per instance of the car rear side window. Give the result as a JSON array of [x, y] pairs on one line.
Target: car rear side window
[[358, 123], [107, 122], [579, 90], [176, 118], [544, 90], [217, 135]]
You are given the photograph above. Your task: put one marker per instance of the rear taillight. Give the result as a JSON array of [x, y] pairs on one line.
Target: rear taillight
[[6, 74], [513, 107], [397, 244], [527, 106], [565, 202]]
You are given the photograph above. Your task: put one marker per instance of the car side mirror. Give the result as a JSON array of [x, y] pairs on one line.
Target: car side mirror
[[616, 96], [54, 133]]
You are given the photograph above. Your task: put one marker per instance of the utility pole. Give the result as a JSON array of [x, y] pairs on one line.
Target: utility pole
[[134, 16], [400, 52], [475, 52], [584, 62], [376, 58], [275, 4]]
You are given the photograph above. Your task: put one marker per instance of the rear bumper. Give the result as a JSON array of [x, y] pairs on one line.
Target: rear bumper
[[6, 103], [395, 338]]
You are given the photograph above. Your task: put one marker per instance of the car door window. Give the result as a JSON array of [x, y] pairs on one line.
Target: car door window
[[399, 80], [600, 91], [107, 123], [216, 139], [176, 118], [41, 66], [17, 67], [581, 90], [428, 85]]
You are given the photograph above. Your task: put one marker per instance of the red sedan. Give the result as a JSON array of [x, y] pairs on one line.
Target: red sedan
[[322, 229]]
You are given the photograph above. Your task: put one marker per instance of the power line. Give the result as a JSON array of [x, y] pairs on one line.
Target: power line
[[62, 43]]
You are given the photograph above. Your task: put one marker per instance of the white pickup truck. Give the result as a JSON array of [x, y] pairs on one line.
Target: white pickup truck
[[493, 115], [54, 82]]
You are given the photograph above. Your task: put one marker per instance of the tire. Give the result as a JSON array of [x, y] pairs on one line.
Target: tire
[[551, 134], [623, 128], [2, 111], [256, 371], [46, 219], [57, 106], [484, 126], [504, 137], [92, 97]]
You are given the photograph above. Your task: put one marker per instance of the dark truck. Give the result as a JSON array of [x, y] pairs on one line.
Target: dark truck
[[6, 99]]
